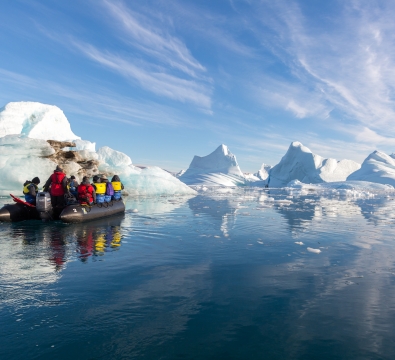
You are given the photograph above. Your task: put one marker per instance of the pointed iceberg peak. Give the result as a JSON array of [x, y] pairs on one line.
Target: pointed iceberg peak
[[296, 145], [222, 149], [299, 163], [220, 160], [218, 168]]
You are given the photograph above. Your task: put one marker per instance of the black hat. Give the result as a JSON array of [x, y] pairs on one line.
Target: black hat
[[36, 180], [72, 177]]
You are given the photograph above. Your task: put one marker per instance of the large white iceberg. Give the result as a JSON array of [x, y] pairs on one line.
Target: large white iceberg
[[299, 163], [35, 120], [220, 168], [377, 168], [25, 153]]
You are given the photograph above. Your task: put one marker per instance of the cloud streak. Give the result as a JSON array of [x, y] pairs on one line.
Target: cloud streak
[[153, 40], [347, 65], [157, 82]]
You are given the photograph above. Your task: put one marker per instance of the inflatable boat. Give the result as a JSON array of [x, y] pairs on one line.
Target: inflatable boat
[[73, 213]]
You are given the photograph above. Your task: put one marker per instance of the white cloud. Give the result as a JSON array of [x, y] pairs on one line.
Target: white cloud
[[155, 80], [153, 40], [348, 64]]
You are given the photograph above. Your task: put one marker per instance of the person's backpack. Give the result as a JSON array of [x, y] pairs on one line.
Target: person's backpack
[[109, 189]]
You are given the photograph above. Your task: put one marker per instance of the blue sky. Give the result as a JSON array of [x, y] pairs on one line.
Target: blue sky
[[165, 80]]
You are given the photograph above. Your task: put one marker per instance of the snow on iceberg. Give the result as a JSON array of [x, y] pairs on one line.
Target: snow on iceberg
[[378, 168], [299, 163], [220, 168], [21, 159], [35, 120]]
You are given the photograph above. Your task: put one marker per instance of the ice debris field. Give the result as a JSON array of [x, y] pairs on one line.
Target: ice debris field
[[35, 137]]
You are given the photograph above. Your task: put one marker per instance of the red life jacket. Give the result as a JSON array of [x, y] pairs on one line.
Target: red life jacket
[[57, 186], [85, 193]]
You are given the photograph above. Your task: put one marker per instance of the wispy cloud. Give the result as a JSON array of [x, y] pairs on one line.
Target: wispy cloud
[[100, 103], [347, 65], [157, 82], [153, 40]]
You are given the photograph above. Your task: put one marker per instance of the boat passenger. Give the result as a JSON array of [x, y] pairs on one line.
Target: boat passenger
[[118, 187], [86, 192], [100, 189], [109, 189], [30, 189], [57, 186], [73, 184]]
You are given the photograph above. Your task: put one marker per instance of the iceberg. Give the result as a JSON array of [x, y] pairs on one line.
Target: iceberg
[[35, 120], [220, 168], [299, 163], [263, 172], [377, 168], [35, 138]]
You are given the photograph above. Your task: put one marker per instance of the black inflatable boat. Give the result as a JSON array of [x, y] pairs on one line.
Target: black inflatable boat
[[74, 213]]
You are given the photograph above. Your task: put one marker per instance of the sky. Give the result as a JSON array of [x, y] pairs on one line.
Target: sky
[[164, 80]]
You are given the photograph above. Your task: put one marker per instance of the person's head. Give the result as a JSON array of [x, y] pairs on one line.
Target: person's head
[[58, 169], [36, 180], [103, 178], [72, 177], [96, 179], [85, 179], [115, 178]]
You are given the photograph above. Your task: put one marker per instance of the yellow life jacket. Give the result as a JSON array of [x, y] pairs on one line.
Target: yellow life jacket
[[116, 185], [26, 188], [100, 188]]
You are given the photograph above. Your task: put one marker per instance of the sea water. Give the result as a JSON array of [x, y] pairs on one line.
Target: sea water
[[228, 274]]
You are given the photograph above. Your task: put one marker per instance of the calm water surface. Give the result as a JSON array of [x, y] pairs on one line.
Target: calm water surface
[[223, 275]]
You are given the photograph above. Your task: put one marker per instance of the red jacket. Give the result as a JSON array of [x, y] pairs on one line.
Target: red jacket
[[85, 192], [57, 183]]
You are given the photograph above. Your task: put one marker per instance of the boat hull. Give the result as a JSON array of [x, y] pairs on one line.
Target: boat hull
[[18, 212], [78, 213]]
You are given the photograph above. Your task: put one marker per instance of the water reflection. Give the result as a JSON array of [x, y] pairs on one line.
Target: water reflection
[[249, 293]]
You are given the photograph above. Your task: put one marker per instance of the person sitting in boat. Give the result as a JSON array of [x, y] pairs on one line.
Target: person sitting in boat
[[109, 188], [86, 192], [118, 187], [57, 186], [100, 189], [30, 190], [73, 184]]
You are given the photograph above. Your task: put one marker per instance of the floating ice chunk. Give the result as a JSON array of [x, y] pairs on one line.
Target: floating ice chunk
[[315, 251], [135, 211], [299, 243]]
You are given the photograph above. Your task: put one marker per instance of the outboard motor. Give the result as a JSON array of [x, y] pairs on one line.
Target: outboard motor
[[44, 206]]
